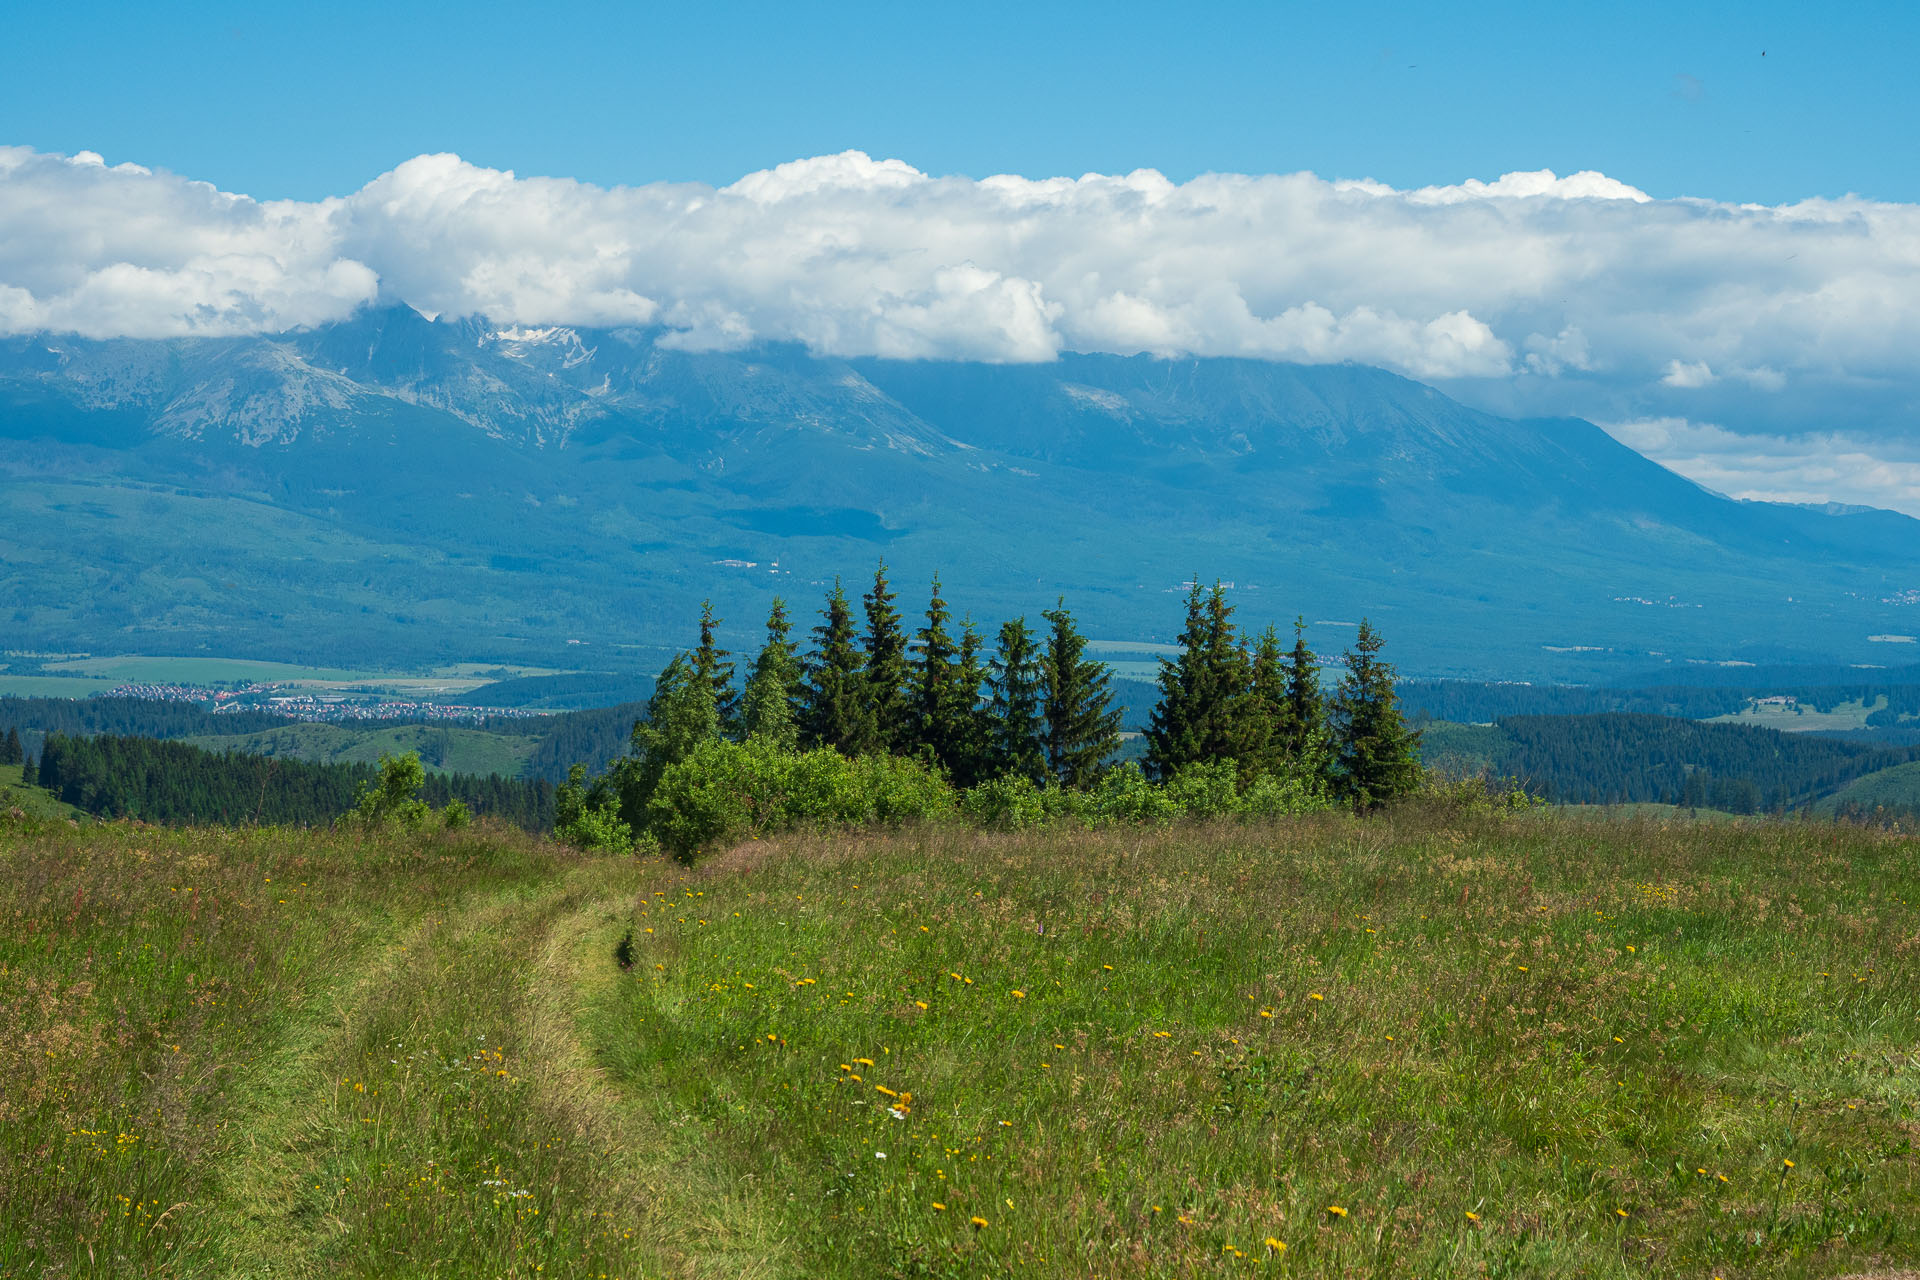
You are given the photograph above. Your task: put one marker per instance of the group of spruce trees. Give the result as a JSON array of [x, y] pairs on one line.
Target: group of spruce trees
[[1259, 704], [1038, 707]]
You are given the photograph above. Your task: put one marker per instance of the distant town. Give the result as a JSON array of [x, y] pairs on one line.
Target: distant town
[[307, 705]]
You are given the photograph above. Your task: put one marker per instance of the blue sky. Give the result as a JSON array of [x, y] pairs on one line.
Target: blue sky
[[314, 100]]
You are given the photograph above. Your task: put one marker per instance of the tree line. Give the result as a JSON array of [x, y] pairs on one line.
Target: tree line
[[1620, 758], [112, 776], [1034, 712]]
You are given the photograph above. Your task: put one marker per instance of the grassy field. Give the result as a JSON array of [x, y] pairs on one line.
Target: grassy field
[[53, 686], [1419, 1045], [447, 749], [1848, 715]]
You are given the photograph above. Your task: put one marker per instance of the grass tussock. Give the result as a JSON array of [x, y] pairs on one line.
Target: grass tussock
[[1433, 1043]]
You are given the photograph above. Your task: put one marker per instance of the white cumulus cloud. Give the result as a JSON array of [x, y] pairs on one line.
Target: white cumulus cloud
[[1531, 277]]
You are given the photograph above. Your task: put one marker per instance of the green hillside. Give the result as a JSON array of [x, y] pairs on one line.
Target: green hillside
[[1411, 1045], [443, 749], [32, 801], [1897, 788]]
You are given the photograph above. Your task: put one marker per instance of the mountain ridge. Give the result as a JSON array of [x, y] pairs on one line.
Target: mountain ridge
[[536, 486]]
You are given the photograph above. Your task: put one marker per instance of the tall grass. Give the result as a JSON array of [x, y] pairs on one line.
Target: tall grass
[[1530, 1046]]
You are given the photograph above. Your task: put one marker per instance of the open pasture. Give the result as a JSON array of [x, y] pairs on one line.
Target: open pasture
[[1425, 1044]]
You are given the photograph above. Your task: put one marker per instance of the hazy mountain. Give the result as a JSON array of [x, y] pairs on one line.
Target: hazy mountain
[[398, 488]]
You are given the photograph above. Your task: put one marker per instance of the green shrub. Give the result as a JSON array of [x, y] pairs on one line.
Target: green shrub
[[1124, 794], [900, 790], [395, 800], [1008, 803], [1476, 792], [1273, 796], [1209, 789], [588, 817]]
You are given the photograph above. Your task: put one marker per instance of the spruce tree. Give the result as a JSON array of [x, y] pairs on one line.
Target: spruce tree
[[1204, 712], [716, 667], [1017, 682], [973, 756], [835, 711], [30, 773], [886, 667], [938, 707], [10, 749], [770, 709], [1082, 725], [1304, 725], [1267, 705], [1375, 755], [1176, 725]]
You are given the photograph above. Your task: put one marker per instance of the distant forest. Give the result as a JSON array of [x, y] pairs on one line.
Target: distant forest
[[171, 782], [1621, 758], [1478, 702]]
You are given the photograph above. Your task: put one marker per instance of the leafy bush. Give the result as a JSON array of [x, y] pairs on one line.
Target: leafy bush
[[722, 792], [1208, 789], [1008, 803], [588, 817], [901, 790], [1477, 792], [394, 801], [1124, 794]]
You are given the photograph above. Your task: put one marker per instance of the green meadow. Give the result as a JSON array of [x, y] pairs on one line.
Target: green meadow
[[1428, 1043]]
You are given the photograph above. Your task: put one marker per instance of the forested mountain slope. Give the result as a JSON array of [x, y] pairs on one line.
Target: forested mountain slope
[[400, 489]]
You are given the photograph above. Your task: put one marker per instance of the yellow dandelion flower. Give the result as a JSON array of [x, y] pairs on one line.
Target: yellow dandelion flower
[[865, 1062], [1266, 1013], [1336, 1211], [1278, 1246], [1788, 1164], [1315, 996], [921, 1003], [978, 1223], [880, 1088], [938, 1205], [1621, 1212], [1472, 1216], [1019, 995]]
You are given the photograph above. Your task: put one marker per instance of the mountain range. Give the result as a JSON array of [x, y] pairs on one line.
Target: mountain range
[[392, 489]]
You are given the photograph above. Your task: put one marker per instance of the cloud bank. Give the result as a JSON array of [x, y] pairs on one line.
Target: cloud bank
[[1582, 285], [1531, 274]]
